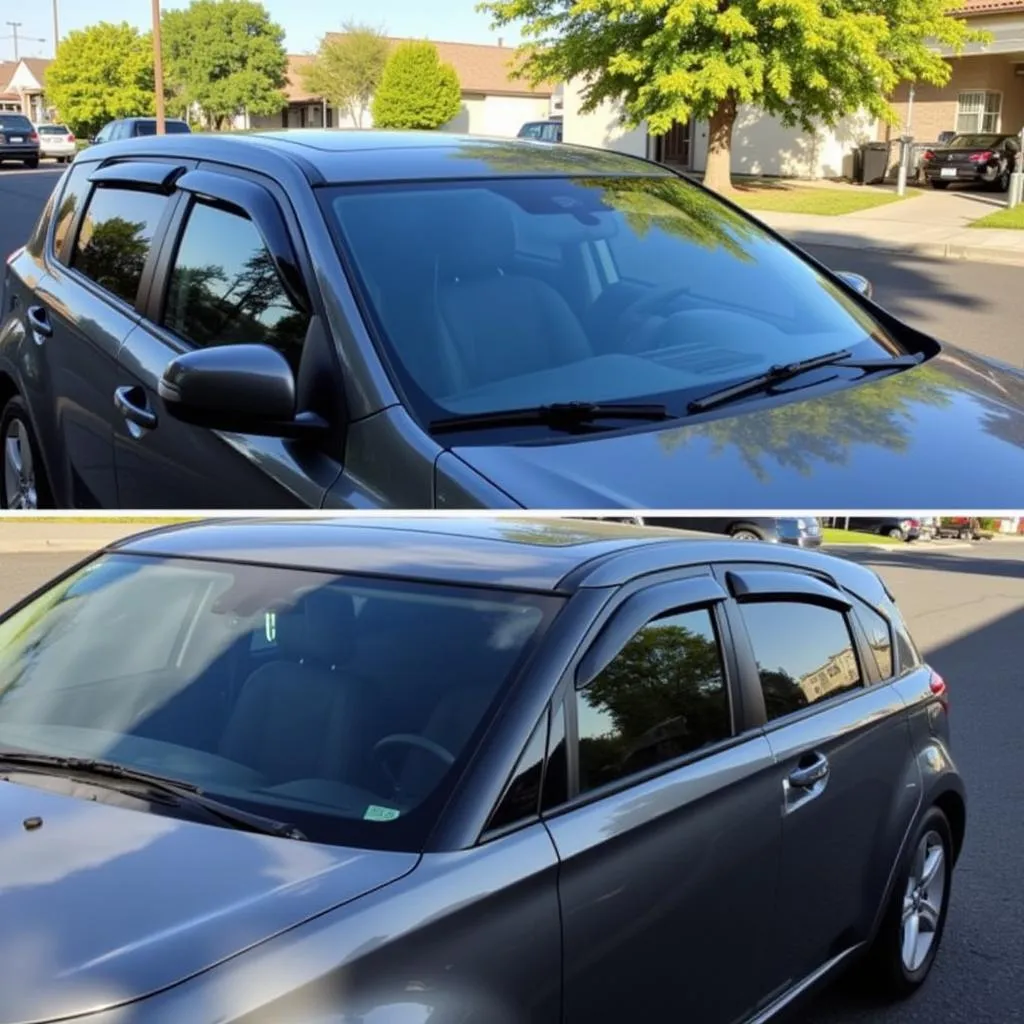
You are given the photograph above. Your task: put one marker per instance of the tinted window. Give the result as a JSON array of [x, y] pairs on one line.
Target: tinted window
[[804, 654], [75, 188], [522, 797], [556, 775], [15, 123], [314, 730], [876, 629], [225, 290], [471, 327], [530, 131], [907, 654], [661, 698], [115, 238], [53, 129]]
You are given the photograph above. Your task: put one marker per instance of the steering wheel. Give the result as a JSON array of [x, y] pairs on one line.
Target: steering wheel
[[404, 739]]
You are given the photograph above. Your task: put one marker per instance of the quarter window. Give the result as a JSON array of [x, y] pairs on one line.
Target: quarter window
[[115, 238], [663, 697], [876, 628], [224, 288], [804, 654], [521, 800]]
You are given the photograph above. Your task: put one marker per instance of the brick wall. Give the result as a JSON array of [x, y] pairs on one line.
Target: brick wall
[[935, 109]]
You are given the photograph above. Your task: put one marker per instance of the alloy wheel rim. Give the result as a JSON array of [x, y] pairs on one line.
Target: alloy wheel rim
[[19, 469], [923, 902], [745, 535]]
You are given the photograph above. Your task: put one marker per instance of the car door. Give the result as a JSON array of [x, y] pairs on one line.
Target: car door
[[219, 281], [78, 317], [670, 840], [843, 781]]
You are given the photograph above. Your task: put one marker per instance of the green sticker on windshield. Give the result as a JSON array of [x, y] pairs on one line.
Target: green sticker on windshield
[[375, 813]]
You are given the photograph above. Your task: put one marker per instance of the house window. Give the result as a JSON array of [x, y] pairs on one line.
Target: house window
[[978, 112]]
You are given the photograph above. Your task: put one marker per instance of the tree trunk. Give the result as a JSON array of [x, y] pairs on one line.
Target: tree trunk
[[717, 170]]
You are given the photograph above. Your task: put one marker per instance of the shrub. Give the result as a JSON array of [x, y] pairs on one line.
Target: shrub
[[417, 90]]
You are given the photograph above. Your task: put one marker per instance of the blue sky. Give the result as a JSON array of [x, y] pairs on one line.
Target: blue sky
[[304, 21]]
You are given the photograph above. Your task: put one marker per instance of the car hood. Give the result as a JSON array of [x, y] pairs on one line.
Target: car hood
[[100, 905], [921, 438]]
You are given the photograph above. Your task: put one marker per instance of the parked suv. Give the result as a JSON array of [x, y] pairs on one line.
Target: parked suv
[[137, 128], [19, 140], [544, 131], [245, 322], [476, 772], [903, 528], [802, 531]]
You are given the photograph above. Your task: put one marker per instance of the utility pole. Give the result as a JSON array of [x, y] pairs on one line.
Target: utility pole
[[158, 70], [56, 27], [15, 25]]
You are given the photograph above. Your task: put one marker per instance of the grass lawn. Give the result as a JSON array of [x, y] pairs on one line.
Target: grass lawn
[[1002, 219], [831, 536], [785, 197]]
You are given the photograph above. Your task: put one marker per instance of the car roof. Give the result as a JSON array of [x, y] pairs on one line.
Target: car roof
[[344, 156], [526, 553]]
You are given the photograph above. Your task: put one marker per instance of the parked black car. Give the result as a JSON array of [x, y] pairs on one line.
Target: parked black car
[[414, 320], [19, 140], [979, 159], [904, 528], [465, 771], [138, 128], [800, 531]]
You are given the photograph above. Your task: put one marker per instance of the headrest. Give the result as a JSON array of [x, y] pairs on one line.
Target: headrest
[[319, 629], [479, 234]]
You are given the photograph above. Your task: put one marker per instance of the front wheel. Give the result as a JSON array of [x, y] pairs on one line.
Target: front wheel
[[31, 164], [23, 484], [895, 533], [911, 933], [743, 533]]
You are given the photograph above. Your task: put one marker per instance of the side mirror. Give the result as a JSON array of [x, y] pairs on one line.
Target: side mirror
[[857, 282], [239, 389]]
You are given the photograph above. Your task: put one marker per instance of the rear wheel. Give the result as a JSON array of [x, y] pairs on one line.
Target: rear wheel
[[895, 532], [911, 933], [745, 533], [1002, 183], [32, 163], [23, 484]]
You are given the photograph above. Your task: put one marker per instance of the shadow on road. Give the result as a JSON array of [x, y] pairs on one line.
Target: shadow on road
[[961, 562]]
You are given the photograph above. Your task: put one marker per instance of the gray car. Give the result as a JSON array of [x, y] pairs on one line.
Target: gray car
[[466, 772], [412, 320]]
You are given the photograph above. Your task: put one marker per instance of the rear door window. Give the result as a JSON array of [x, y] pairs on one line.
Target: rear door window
[[115, 238]]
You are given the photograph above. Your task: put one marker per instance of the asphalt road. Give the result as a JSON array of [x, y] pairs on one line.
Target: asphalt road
[[965, 608], [976, 305]]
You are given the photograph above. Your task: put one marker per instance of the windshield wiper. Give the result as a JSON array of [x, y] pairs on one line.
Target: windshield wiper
[[183, 793], [779, 374], [567, 416]]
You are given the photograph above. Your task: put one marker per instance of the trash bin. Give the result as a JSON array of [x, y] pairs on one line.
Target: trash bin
[[875, 162], [853, 166]]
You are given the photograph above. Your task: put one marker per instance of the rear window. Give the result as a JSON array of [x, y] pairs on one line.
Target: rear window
[[53, 129], [15, 122], [170, 127]]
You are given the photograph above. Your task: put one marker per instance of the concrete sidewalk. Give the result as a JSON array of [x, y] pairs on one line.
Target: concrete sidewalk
[[935, 225]]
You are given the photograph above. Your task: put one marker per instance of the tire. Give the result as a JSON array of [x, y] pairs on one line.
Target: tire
[[745, 533], [895, 532], [966, 535], [32, 163], [939, 184], [887, 960], [1002, 183], [15, 428]]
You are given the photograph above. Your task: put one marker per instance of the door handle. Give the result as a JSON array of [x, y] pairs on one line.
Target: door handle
[[39, 322], [808, 775], [129, 402]]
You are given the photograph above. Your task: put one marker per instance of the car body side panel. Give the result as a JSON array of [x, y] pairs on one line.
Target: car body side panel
[[670, 880], [467, 938]]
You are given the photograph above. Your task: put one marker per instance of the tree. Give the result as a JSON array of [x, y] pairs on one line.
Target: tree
[[417, 90], [806, 62], [225, 56], [347, 69], [102, 72]]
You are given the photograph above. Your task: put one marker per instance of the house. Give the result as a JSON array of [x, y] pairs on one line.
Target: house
[[21, 87], [493, 101], [984, 93]]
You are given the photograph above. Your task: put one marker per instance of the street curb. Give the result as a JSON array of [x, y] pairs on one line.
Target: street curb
[[926, 250]]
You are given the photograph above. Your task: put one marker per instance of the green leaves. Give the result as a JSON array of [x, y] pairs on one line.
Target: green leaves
[[348, 68], [103, 72], [416, 90], [224, 56]]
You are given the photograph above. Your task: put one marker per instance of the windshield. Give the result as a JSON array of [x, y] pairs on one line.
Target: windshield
[[975, 141], [344, 705], [506, 293], [16, 122]]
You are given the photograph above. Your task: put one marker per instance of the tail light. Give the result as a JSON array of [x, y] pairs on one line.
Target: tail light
[[980, 158], [927, 155], [70, 138], [939, 690]]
